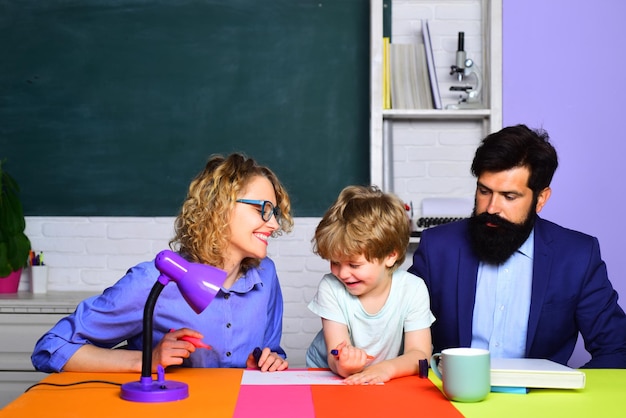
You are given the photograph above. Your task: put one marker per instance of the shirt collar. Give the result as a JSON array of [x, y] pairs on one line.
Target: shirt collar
[[528, 247], [246, 283]]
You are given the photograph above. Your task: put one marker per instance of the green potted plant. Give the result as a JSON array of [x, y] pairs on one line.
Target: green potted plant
[[14, 244]]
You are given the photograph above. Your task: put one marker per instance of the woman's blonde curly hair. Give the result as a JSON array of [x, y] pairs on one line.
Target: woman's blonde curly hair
[[202, 231]]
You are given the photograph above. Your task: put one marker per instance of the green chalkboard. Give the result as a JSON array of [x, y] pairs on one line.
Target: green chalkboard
[[110, 107]]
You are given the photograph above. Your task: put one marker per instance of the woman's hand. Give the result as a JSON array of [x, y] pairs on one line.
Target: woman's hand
[[268, 361], [172, 349]]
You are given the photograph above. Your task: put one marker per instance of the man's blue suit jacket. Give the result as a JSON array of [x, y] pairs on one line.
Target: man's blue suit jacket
[[571, 293]]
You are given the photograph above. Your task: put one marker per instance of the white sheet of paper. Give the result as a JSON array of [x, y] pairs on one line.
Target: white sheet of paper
[[291, 377]]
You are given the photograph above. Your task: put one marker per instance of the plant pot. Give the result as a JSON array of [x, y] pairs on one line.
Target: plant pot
[[10, 283]]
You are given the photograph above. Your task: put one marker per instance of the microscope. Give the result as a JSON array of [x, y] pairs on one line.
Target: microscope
[[464, 69]]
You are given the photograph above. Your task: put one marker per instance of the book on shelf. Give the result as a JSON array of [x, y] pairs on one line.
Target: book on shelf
[[534, 373], [386, 85], [402, 96], [408, 77], [422, 75], [430, 62]]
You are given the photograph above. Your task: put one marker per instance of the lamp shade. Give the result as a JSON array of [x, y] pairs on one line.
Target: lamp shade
[[198, 283]]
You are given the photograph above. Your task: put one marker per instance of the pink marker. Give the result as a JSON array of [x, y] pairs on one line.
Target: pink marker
[[197, 342]]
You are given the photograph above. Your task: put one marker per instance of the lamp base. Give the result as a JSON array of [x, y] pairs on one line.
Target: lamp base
[[148, 390]]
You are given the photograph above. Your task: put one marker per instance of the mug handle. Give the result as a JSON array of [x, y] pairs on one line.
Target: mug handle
[[434, 365]]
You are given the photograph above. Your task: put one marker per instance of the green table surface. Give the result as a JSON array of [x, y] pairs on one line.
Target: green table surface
[[604, 396]]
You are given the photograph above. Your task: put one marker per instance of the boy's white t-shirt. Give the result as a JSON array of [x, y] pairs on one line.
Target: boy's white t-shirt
[[381, 334]]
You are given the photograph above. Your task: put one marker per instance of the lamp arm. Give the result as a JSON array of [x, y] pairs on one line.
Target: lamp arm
[[146, 359]]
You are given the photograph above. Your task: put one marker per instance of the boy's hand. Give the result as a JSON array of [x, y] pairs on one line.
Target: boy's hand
[[372, 375], [350, 359]]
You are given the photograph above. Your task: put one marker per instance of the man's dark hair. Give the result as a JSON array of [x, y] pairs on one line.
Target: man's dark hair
[[518, 146]]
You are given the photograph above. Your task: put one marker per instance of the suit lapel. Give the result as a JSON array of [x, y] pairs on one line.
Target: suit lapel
[[466, 276], [542, 264]]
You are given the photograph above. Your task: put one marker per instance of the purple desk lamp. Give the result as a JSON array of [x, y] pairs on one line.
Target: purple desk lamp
[[198, 283]]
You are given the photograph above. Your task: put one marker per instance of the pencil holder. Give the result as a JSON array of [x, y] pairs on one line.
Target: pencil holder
[[38, 279]]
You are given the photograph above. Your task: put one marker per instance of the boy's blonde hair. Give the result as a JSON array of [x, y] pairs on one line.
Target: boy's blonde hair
[[363, 221]]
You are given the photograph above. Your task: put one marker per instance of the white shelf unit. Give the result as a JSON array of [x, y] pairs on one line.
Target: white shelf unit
[[482, 19]]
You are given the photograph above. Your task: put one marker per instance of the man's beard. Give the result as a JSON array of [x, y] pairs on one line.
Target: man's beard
[[495, 244]]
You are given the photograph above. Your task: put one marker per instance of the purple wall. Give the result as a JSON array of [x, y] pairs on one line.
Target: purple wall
[[563, 70]]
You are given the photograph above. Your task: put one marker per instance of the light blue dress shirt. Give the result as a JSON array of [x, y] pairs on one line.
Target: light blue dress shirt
[[247, 315], [502, 304]]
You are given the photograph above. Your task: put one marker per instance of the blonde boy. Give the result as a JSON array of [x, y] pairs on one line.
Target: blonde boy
[[375, 318]]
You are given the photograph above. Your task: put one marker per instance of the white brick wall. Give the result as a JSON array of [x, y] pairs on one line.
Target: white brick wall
[[432, 158], [434, 161]]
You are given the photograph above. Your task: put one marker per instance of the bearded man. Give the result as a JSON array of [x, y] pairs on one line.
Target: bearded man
[[511, 282]]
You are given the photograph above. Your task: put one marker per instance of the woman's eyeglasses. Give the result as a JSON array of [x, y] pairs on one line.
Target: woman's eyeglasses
[[267, 208]]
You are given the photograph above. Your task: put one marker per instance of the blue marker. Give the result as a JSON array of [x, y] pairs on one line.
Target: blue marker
[[423, 368], [256, 353]]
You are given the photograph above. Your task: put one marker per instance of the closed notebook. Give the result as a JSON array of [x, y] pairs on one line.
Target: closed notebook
[[534, 373]]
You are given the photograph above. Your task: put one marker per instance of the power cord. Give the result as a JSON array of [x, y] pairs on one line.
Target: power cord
[[72, 384]]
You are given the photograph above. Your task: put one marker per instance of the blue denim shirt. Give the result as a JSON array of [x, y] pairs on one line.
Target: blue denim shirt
[[247, 315]]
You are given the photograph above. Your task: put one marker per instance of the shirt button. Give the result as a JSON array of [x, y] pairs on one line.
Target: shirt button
[[227, 295], [229, 325], [228, 354]]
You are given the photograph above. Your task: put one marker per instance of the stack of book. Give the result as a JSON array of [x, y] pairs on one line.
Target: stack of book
[[409, 77], [520, 374]]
